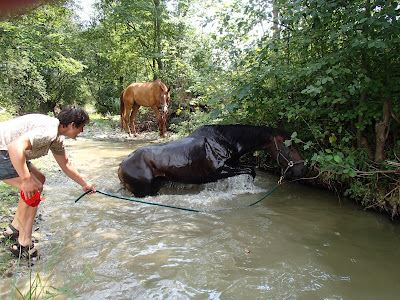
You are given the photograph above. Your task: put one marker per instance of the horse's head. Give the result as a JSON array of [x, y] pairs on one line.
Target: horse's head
[[287, 156], [164, 99]]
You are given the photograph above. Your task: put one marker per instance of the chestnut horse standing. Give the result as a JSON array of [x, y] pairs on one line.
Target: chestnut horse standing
[[149, 94]]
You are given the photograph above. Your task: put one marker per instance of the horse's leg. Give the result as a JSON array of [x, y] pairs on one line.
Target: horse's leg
[[122, 119], [143, 189], [133, 116], [148, 188], [127, 111], [160, 126], [164, 124], [230, 171], [122, 110]]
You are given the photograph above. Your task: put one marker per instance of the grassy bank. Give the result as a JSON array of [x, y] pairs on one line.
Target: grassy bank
[[8, 205]]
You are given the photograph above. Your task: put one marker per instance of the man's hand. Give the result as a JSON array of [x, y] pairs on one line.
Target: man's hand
[[29, 187]]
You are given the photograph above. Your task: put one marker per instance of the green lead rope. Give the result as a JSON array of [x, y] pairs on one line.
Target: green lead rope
[[177, 207]]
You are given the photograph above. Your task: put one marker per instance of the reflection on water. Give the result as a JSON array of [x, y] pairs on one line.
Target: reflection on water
[[299, 243]]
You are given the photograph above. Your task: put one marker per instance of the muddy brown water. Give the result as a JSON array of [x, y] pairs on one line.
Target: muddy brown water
[[299, 243]]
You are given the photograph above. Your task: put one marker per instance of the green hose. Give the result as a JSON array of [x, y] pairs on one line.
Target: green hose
[[181, 208]]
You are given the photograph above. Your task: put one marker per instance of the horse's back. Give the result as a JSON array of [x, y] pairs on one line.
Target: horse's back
[[144, 93], [190, 160], [140, 93], [172, 155]]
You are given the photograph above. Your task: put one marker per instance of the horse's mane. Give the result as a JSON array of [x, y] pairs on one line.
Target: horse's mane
[[161, 84], [235, 132]]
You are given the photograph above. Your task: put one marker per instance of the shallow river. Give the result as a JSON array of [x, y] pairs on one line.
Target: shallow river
[[298, 243]]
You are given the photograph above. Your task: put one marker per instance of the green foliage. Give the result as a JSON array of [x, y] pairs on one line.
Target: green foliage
[[343, 166], [38, 65], [187, 121], [107, 102], [327, 72], [6, 114], [8, 196]]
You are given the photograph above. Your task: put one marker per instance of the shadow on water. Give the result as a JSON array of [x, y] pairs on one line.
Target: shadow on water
[[299, 243]]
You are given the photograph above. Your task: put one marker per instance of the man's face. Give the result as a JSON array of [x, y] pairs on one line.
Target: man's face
[[73, 130]]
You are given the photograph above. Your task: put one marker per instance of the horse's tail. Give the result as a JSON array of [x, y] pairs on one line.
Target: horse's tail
[[122, 110]]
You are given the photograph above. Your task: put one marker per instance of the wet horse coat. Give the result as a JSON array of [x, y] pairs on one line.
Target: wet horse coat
[[210, 153], [149, 94]]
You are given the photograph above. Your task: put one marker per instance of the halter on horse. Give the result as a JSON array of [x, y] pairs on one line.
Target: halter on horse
[[164, 100], [289, 163]]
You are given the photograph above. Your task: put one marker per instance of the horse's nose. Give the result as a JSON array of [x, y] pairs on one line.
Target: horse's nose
[[302, 171], [298, 171]]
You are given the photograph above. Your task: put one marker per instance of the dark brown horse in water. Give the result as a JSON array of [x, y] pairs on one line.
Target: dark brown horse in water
[[149, 94], [210, 153]]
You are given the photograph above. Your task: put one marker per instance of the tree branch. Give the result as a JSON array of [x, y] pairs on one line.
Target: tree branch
[[138, 35]]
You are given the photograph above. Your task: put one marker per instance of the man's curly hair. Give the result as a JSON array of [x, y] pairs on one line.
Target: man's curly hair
[[72, 113]]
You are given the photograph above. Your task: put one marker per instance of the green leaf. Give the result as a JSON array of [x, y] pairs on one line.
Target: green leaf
[[337, 158], [352, 174]]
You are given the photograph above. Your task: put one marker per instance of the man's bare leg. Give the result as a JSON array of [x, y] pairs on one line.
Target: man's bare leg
[[25, 214]]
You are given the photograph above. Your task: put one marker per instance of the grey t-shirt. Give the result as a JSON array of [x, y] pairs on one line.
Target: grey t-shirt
[[41, 130]]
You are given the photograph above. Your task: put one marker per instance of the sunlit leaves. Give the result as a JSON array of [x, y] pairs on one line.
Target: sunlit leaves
[[38, 52]]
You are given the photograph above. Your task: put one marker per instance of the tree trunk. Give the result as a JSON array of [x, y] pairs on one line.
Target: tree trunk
[[381, 130], [275, 21], [157, 36], [121, 83], [360, 120], [362, 142]]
